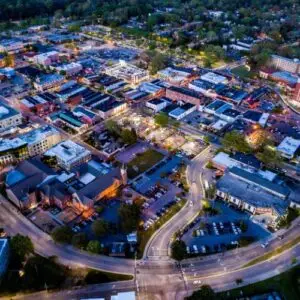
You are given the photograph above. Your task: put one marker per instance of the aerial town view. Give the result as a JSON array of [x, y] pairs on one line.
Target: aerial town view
[[150, 149]]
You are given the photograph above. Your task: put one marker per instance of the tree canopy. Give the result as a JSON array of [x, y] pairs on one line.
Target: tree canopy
[[62, 234], [21, 246]]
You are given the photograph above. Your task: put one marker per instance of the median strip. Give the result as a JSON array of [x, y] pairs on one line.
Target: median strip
[[275, 252]]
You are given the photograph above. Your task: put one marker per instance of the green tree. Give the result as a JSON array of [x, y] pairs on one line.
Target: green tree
[[179, 250], [205, 293], [158, 62], [79, 240], [100, 228], [21, 246], [94, 247], [129, 136], [161, 119], [62, 234], [112, 127], [234, 141], [129, 217], [270, 157]]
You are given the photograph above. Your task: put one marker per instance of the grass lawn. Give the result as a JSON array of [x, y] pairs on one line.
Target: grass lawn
[[275, 252], [287, 284], [143, 161], [242, 72], [144, 236]]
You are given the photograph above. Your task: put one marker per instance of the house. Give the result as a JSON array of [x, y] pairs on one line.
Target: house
[[214, 78]]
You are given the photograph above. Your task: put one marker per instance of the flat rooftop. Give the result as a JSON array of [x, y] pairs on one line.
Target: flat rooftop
[[7, 111]]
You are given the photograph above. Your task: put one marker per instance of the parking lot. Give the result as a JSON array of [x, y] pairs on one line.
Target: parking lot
[[221, 232]]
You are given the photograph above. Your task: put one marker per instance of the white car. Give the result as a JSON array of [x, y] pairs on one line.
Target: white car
[[265, 245], [197, 282]]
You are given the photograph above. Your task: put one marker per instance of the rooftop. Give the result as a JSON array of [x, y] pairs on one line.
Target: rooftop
[[214, 78], [289, 146], [7, 111], [250, 193], [68, 151]]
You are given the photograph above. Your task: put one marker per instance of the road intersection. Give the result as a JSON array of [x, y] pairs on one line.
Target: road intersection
[[157, 276]]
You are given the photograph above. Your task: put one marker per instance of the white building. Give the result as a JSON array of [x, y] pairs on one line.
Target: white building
[[11, 46], [214, 78], [34, 142], [46, 59], [286, 64], [9, 117], [288, 147], [173, 75], [41, 139], [70, 69], [157, 104], [128, 72], [4, 256], [69, 154], [49, 81]]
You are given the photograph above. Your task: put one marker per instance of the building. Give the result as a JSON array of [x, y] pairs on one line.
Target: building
[[33, 143], [251, 192], [48, 81], [40, 104], [4, 256], [256, 117], [157, 104], [214, 78], [184, 94], [69, 154], [9, 117], [127, 72], [11, 45], [285, 64], [69, 69], [174, 75], [71, 92], [296, 94], [21, 183], [229, 115], [182, 111], [82, 186], [103, 104], [124, 296], [46, 59], [289, 147]]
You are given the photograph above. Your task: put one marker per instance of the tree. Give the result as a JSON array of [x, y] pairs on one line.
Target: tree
[[179, 250], [270, 157], [205, 293], [112, 127], [158, 62], [62, 234], [129, 136], [21, 246], [9, 60], [129, 217], [93, 247], [161, 119], [100, 228], [234, 141], [79, 240]]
